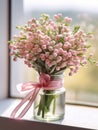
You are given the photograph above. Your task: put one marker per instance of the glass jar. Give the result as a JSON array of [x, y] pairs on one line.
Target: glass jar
[[49, 105]]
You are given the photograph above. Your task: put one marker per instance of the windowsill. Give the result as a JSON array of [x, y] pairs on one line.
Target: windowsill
[[76, 116]]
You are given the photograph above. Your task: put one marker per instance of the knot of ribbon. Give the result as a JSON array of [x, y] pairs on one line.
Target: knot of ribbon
[[45, 83]]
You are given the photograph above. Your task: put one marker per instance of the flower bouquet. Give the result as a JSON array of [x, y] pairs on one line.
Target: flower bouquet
[[50, 46]]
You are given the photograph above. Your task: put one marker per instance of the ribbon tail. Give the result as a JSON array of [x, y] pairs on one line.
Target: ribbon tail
[[31, 97]]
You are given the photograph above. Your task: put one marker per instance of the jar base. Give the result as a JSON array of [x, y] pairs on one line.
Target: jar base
[[49, 105], [49, 118]]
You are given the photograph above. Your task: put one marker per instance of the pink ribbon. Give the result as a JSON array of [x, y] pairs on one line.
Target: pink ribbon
[[45, 83]]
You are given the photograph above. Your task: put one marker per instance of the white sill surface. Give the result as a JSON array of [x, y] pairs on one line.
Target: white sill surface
[[78, 116]]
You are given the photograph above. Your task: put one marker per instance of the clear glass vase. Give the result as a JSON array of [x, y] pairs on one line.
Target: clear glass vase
[[49, 105]]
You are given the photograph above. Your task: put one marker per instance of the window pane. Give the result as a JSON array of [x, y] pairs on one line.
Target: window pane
[[81, 87]]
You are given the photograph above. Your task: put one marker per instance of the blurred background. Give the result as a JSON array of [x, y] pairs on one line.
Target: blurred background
[[82, 87]]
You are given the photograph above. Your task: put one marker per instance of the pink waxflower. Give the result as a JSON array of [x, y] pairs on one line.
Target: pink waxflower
[[55, 54], [47, 61], [44, 47], [53, 63], [50, 48], [59, 15], [96, 63], [57, 37], [39, 50], [51, 57], [59, 58], [67, 19], [58, 68], [63, 65], [47, 54], [56, 51], [52, 45]]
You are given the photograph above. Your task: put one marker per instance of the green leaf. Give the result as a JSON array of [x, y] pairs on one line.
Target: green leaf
[[48, 32], [76, 28], [59, 72], [52, 70], [47, 68], [10, 42], [88, 46], [90, 33], [80, 54], [21, 28]]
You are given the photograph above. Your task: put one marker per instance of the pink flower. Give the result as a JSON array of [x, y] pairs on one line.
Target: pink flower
[[84, 61], [58, 68], [56, 51], [53, 63], [63, 65], [47, 54], [39, 50], [91, 54], [47, 61], [60, 50], [59, 15], [96, 63], [51, 57], [28, 29], [65, 53], [39, 31], [69, 54], [15, 58], [44, 47], [55, 16], [55, 54], [50, 48], [67, 19], [59, 58], [51, 43]]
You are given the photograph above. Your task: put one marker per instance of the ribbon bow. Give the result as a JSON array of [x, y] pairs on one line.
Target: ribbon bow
[[45, 82]]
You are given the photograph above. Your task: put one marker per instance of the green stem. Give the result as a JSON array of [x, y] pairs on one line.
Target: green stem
[[45, 103], [41, 105], [54, 105], [43, 112]]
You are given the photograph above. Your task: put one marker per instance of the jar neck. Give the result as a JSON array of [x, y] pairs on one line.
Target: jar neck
[[51, 82], [57, 77]]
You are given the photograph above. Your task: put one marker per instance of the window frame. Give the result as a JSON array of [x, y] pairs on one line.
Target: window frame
[[4, 37]]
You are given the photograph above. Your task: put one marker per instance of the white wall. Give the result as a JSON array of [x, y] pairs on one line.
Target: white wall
[[3, 48]]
